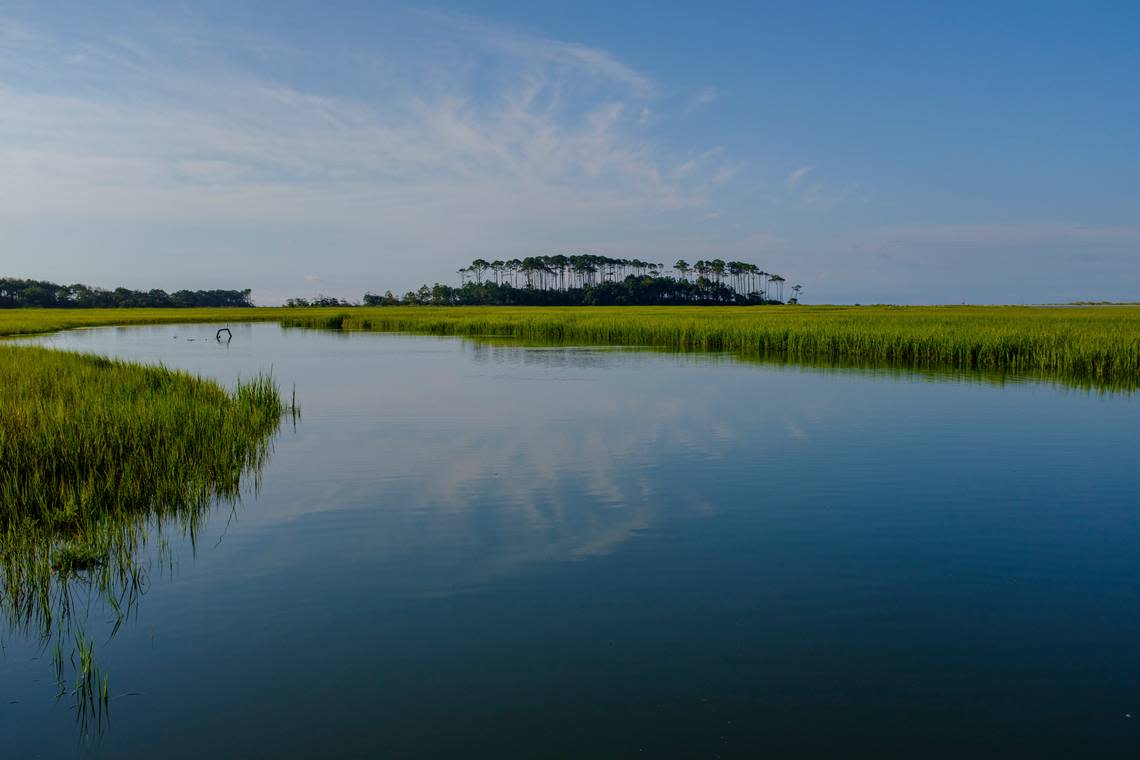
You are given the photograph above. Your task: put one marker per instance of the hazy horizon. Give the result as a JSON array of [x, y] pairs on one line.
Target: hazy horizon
[[874, 152]]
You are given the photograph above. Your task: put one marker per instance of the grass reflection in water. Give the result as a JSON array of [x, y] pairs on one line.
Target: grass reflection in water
[[98, 459]]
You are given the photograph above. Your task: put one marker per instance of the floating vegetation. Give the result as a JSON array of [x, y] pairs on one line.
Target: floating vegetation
[[96, 457]]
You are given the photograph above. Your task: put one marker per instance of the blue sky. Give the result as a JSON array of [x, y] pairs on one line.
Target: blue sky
[[875, 152]]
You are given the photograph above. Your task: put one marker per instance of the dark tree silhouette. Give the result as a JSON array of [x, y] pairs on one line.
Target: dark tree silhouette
[[588, 279], [15, 293]]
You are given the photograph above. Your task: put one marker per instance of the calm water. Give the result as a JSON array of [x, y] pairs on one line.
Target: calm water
[[498, 551]]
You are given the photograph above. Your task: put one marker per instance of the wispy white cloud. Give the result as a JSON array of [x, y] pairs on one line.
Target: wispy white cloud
[[701, 98], [269, 148], [542, 51], [515, 143], [724, 174], [796, 177]]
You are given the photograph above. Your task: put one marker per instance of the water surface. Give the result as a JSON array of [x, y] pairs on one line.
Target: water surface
[[500, 551]]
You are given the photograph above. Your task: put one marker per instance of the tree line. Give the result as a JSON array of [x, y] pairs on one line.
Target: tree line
[[321, 300], [15, 293], [589, 280]]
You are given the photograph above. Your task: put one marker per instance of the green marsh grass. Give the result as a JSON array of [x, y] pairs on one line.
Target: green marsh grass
[[1091, 346], [14, 322], [82, 436], [96, 457]]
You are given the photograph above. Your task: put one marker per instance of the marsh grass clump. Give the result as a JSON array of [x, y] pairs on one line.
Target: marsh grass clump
[[83, 437], [98, 456], [36, 321], [70, 558], [1088, 347]]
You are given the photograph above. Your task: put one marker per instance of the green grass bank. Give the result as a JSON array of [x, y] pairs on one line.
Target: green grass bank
[[1097, 345], [82, 435], [96, 457]]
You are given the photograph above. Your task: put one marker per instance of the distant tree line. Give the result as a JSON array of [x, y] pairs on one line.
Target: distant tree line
[[589, 280], [318, 301], [16, 293]]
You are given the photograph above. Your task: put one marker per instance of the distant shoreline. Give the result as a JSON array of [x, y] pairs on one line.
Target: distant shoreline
[[1093, 344]]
